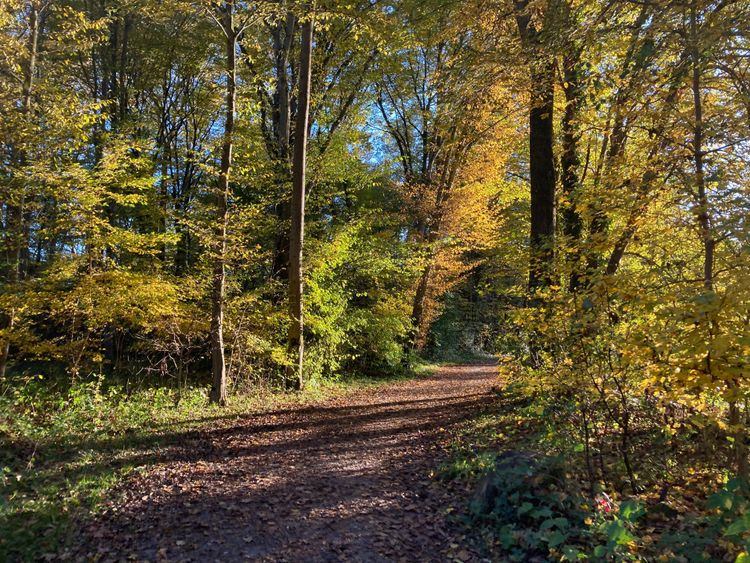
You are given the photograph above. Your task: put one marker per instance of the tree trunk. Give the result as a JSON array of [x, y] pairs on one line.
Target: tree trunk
[[283, 38], [570, 163], [704, 220], [612, 150], [219, 388], [541, 152], [542, 173], [703, 213], [296, 345]]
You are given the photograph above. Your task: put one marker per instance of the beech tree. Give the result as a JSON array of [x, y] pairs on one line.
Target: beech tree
[[295, 374], [16, 196], [535, 31], [226, 18]]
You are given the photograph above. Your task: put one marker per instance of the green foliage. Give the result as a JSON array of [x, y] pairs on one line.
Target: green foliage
[[534, 492], [539, 512], [357, 317], [64, 447], [633, 360]]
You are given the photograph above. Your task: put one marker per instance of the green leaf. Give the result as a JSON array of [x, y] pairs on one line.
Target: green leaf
[[543, 512], [600, 551], [507, 539], [738, 527], [631, 510], [570, 553], [721, 499], [617, 533], [734, 484], [562, 523], [524, 508], [557, 538]]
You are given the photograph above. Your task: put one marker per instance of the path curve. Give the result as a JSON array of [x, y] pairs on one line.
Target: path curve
[[345, 480]]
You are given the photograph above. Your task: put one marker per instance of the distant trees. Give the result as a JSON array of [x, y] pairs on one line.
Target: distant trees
[[439, 107], [147, 187]]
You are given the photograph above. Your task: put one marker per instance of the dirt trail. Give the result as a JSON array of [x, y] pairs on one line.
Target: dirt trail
[[345, 480]]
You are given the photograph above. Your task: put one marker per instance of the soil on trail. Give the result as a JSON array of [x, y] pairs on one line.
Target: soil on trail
[[345, 480]]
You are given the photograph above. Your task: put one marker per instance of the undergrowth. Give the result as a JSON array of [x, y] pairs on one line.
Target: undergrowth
[[542, 507]]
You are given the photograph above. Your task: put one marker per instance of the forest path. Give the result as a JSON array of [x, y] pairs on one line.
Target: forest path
[[344, 480]]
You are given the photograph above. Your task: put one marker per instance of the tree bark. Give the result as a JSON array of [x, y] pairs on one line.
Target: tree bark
[[570, 163], [218, 393], [541, 152], [283, 38], [296, 344], [542, 173], [703, 213]]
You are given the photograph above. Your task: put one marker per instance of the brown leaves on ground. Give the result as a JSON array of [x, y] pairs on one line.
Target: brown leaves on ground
[[344, 480]]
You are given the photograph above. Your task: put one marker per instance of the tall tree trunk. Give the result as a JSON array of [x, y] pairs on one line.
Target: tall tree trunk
[[296, 345], [703, 212], [570, 164], [542, 174], [283, 38], [17, 233], [218, 393], [613, 148], [541, 151], [645, 186], [163, 209]]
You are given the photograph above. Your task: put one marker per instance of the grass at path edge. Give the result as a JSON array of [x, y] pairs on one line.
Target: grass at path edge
[[62, 452]]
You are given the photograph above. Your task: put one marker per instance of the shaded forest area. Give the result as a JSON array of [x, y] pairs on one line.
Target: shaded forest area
[[225, 201]]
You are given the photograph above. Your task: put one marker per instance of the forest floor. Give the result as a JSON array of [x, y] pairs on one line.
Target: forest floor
[[351, 478]]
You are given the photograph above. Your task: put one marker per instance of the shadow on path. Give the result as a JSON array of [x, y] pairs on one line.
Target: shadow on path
[[347, 480]]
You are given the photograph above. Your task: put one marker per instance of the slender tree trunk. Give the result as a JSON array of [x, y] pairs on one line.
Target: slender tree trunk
[[163, 209], [612, 150], [283, 38], [644, 188], [703, 216], [219, 388], [296, 345]]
